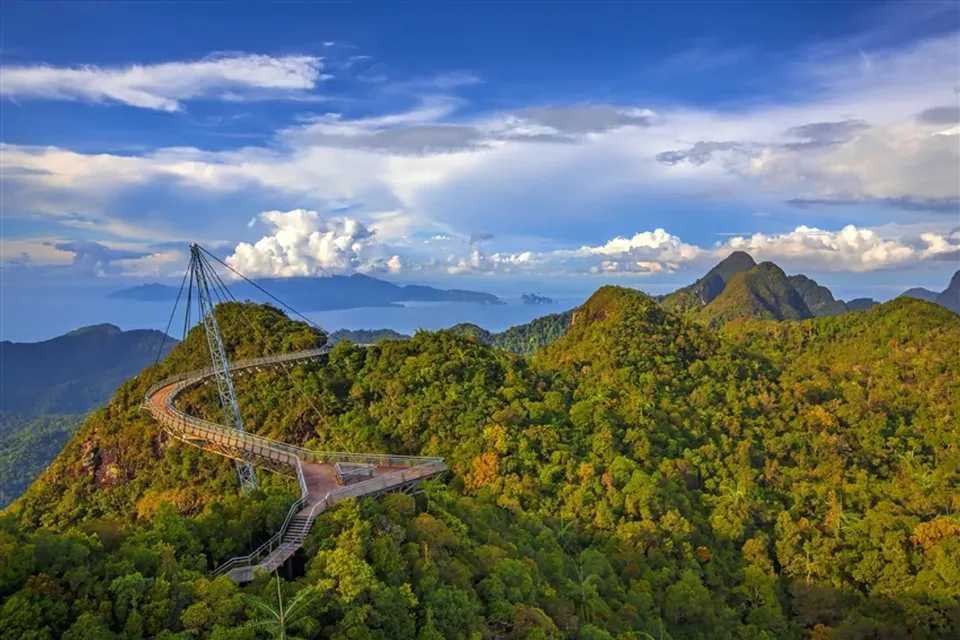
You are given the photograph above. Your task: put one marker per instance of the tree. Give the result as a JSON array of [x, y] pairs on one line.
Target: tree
[[278, 620]]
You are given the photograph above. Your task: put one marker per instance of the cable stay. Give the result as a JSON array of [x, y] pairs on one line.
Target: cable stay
[[202, 281], [324, 477], [201, 275]]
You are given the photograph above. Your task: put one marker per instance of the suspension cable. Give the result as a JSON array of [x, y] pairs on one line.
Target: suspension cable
[[216, 281], [264, 291], [266, 345], [186, 317], [170, 321]]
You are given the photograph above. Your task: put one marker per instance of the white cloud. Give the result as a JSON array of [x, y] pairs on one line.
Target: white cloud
[[907, 160], [164, 86], [303, 243], [849, 249], [856, 135], [658, 241], [35, 251], [162, 264], [91, 258]]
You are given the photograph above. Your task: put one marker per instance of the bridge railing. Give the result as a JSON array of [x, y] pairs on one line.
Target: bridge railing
[[254, 556], [254, 442], [187, 425], [238, 365], [372, 486]]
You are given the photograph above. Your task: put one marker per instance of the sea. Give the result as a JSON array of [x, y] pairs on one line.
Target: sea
[[35, 314]]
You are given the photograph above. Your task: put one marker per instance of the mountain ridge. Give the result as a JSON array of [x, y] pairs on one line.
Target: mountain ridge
[[642, 474], [54, 376], [770, 295], [762, 292], [694, 297]]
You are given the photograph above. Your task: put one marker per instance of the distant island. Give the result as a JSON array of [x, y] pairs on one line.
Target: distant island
[[533, 298], [323, 293]]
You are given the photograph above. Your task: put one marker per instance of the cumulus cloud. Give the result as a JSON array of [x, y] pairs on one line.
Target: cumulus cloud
[[908, 160], [878, 141], [95, 258], [34, 252], [647, 252], [849, 249], [304, 243], [165, 86]]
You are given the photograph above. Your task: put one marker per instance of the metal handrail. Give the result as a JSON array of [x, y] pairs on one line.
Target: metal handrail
[[417, 467], [277, 538], [193, 378]]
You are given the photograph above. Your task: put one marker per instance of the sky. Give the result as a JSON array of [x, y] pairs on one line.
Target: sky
[[481, 142]]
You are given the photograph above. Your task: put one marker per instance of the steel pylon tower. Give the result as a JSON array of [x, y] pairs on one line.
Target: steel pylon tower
[[198, 270]]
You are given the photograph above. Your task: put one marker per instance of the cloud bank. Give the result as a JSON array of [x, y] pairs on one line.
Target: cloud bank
[[352, 191], [304, 243]]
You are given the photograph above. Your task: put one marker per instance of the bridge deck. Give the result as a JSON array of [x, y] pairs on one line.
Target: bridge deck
[[314, 470]]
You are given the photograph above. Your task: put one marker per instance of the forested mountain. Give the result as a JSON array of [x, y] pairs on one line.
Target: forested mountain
[[819, 299], [861, 304], [27, 445], [696, 296], [524, 339], [764, 292], [366, 336], [74, 372], [921, 294], [47, 387], [641, 476], [950, 297]]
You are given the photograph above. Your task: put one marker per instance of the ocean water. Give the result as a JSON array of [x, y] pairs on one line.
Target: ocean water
[[432, 316], [32, 314]]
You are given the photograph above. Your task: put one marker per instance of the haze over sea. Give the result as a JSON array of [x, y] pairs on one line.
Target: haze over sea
[[67, 308], [30, 314]]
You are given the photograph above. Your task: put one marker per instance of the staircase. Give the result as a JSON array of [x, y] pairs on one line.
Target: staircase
[[324, 478], [292, 540]]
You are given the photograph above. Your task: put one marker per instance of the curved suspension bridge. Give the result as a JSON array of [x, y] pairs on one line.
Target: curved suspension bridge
[[324, 478]]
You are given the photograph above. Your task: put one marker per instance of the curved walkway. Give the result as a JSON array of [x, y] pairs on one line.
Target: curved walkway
[[323, 476]]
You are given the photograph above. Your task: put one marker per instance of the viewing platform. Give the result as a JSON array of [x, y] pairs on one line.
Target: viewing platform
[[324, 478]]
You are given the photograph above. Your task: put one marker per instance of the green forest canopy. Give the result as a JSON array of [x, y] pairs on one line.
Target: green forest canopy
[[641, 476]]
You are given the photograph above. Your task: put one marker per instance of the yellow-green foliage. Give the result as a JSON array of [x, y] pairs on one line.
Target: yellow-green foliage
[[644, 474]]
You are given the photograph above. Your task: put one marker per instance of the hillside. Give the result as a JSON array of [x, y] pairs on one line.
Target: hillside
[[75, 372], [763, 292], [117, 465], [819, 299], [921, 294], [642, 475], [524, 339], [27, 445], [950, 297], [365, 336], [692, 298], [47, 387]]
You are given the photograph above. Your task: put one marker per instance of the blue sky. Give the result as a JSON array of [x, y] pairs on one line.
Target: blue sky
[[519, 141]]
